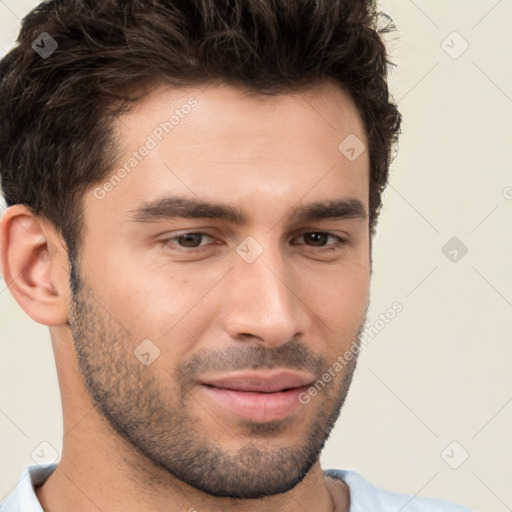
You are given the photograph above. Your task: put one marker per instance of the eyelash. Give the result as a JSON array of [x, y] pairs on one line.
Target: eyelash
[[167, 241]]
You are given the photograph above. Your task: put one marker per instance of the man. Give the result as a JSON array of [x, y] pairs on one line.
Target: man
[[193, 188]]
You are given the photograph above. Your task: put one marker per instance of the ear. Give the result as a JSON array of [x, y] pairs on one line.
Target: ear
[[34, 265]]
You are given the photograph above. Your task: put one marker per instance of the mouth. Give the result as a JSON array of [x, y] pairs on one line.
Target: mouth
[[258, 396]]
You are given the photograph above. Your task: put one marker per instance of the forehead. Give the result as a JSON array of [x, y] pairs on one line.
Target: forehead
[[221, 143]]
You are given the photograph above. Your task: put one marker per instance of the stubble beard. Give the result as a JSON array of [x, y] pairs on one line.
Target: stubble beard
[[154, 418]]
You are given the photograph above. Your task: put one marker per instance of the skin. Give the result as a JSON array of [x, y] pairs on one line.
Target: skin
[[140, 437]]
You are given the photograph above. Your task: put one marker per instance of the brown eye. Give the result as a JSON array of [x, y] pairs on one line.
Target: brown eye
[[319, 239], [190, 240]]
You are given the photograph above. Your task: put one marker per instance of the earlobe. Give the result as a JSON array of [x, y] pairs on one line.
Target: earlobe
[[34, 265]]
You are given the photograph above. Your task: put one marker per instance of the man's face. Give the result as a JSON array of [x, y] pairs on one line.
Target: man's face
[[188, 343]]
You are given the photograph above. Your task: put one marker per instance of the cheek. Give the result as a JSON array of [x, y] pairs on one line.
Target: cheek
[[339, 287], [146, 297], [173, 309], [339, 301]]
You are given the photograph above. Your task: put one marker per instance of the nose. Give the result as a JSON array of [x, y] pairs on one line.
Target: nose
[[265, 302]]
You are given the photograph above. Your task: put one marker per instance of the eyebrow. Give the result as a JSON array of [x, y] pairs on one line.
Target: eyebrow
[[173, 206]]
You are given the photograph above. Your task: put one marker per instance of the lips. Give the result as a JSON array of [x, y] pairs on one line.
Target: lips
[[261, 382], [257, 396]]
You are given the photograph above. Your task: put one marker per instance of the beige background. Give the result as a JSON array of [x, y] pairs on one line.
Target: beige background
[[441, 370]]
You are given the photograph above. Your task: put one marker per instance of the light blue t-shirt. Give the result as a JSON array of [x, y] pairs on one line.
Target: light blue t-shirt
[[364, 497]]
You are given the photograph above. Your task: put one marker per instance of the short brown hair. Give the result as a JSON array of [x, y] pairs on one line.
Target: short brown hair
[[56, 113]]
